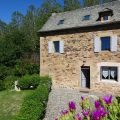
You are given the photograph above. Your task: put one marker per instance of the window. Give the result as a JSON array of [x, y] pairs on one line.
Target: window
[[61, 22], [105, 43], [86, 17], [109, 73], [105, 17], [56, 45]]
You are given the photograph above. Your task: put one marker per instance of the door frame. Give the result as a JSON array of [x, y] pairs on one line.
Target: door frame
[[87, 81]]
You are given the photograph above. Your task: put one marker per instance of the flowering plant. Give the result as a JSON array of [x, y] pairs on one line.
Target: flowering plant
[[104, 108]]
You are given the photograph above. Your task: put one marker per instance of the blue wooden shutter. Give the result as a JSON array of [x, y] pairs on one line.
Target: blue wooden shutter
[[97, 44], [114, 43], [50, 48], [61, 47]]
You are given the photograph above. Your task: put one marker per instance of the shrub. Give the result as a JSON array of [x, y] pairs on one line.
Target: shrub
[[9, 82], [19, 70], [2, 87], [31, 68], [4, 71], [33, 107], [22, 68], [29, 81]]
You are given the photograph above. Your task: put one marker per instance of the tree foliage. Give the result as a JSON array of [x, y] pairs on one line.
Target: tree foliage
[[71, 5]]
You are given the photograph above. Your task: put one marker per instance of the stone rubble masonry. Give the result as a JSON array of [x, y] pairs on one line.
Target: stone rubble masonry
[[65, 68]]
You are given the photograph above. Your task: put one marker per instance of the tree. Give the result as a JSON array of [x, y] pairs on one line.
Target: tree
[[71, 5], [12, 47], [3, 26], [30, 27], [88, 3], [48, 7], [17, 20]]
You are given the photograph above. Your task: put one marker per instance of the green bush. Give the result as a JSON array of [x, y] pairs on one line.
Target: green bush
[[33, 107], [31, 68], [22, 68], [9, 82], [2, 87], [29, 81], [4, 71], [19, 70]]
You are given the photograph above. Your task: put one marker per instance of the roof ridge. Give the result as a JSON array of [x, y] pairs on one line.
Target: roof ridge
[[93, 6]]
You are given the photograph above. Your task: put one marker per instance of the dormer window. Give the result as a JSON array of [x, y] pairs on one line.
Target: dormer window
[[86, 17], [105, 15], [61, 22]]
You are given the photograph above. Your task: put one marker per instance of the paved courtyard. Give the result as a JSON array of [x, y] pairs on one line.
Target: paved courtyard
[[60, 97]]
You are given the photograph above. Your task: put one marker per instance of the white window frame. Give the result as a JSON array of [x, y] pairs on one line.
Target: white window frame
[[51, 48], [109, 64], [113, 42], [108, 73]]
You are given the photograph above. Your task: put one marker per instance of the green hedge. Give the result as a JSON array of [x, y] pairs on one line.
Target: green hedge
[[34, 105], [29, 82]]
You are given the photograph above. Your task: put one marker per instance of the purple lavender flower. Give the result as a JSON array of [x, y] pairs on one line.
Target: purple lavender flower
[[82, 97], [96, 115], [107, 99], [99, 113], [86, 113], [78, 117], [97, 104], [56, 118], [72, 106], [64, 112], [103, 111]]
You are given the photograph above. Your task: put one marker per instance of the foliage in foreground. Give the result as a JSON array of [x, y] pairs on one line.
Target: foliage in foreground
[[33, 107], [104, 108]]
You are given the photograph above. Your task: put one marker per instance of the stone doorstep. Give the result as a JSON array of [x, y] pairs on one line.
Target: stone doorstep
[[84, 90]]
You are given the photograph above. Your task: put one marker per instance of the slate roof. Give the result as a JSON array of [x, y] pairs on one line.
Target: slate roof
[[74, 18]]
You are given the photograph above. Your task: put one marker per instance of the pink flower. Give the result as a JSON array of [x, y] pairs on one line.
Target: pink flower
[[107, 99], [72, 106]]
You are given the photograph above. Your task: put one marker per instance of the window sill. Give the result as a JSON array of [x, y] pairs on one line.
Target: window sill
[[56, 53], [109, 81], [106, 20]]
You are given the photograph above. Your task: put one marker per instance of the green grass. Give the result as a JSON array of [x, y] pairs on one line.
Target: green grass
[[10, 103]]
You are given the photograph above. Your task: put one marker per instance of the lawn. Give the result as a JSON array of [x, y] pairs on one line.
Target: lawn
[[10, 103]]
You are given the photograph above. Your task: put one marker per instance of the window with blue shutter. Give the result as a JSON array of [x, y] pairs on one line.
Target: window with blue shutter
[[105, 43]]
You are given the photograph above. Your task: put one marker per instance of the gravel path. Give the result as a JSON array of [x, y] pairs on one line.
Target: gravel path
[[59, 99]]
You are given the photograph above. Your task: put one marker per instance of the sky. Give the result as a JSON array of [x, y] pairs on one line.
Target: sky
[[7, 7]]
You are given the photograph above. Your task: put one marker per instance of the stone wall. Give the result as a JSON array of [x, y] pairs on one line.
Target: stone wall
[[65, 68]]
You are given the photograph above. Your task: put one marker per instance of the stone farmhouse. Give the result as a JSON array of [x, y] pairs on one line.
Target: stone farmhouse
[[80, 49]]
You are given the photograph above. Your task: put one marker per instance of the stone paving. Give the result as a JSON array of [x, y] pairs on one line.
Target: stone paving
[[60, 97]]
